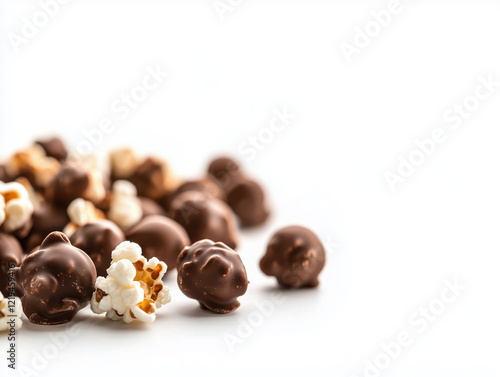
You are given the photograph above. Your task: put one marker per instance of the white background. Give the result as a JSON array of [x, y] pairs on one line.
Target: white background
[[389, 252]]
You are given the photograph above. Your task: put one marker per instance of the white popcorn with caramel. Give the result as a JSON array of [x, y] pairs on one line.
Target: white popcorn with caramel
[[81, 212], [133, 289], [7, 310], [15, 206], [125, 208], [34, 161]]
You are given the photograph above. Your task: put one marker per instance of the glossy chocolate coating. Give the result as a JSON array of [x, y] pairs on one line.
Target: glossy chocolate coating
[[46, 218], [225, 170], [246, 198], [213, 274], [11, 252], [205, 217], [57, 280], [160, 237], [54, 147], [98, 239], [295, 256], [68, 184], [149, 178]]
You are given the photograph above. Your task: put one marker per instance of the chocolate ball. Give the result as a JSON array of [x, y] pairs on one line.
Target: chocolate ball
[[46, 218], [150, 178], [4, 176], [246, 199], [54, 147], [98, 239], [204, 217], [225, 170], [207, 185], [213, 274], [295, 256], [68, 184], [57, 280], [150, 207], [11, 253], [160, 237]]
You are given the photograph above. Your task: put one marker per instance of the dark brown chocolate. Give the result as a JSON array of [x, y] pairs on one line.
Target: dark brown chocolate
[[68, 184], [225, 170], [11, 253], [4, 176], [213, 274], [246, 199], [98, 239], [54, 147], [149, 178], [204, 217], [150, 207], [57, 280], [46, 218], [206, 185], [295, 256], [160, 237]]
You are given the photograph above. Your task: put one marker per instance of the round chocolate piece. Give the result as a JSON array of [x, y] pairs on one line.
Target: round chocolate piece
[[160, 237], [54, 147], [98, 239], [225, 170], [57, 280], [11, 253], [295, 256], [68, 184], [150, 207], [246, 199], [213, 274], [207, 185], [46, 218], [205, 217], [149, 178]]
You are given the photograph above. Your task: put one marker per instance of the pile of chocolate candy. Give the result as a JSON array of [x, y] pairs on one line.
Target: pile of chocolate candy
[[73, 233]]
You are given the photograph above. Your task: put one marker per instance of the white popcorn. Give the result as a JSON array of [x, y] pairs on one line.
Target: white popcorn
[[6, 311], [15, 206], [125, 208], [123, 162], [81, 212], [133, 289], [35, 197]]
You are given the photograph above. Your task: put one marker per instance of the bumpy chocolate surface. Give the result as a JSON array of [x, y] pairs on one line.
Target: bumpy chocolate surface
[[46, 218], [295, 256], [246, 198], [11, 252], [213, 274], [98, 239], [57, 280], [54, 147], [160, 237], [205, 218], [68, 184]]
